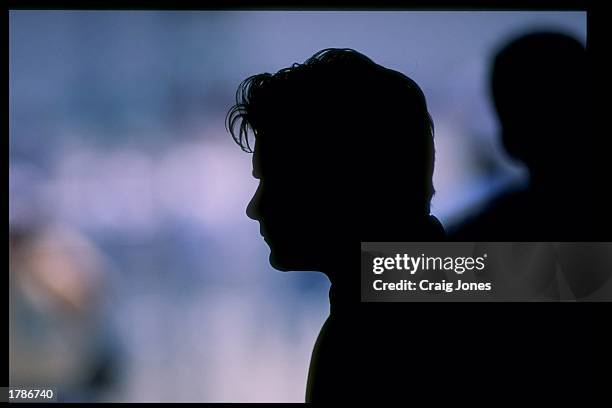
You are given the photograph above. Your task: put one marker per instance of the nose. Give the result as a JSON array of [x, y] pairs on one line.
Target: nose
[[253, 209]]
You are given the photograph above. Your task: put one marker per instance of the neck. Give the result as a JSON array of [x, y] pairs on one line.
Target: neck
[[344, 293], [344, 272]]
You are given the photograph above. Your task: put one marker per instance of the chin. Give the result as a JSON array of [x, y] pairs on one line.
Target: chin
[[279, 264], [290, 263]]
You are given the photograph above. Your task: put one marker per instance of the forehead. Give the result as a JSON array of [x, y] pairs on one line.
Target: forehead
[[278, 160], [256, 161], [299, 149]]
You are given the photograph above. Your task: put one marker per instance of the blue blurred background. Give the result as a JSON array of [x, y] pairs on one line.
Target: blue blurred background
[[135, 274]]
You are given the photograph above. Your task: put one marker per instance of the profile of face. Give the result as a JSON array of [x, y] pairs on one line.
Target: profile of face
[[296, 206], [334, 166]]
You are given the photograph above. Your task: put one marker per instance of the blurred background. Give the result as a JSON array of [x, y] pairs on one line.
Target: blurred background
[[134, 272]]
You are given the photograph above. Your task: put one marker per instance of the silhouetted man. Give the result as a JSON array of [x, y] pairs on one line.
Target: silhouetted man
[[539, 88], [539, 85], [344, 153]]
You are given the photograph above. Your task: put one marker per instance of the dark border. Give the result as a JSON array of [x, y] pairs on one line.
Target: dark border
[[570, 5]]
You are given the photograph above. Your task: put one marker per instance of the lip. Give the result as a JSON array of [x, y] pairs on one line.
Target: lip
[[264, 232]]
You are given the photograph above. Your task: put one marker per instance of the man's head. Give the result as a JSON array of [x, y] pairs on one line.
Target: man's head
[[343, 152], [539, 86]]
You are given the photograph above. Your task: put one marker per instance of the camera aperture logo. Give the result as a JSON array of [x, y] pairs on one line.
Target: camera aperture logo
[[414, 264]]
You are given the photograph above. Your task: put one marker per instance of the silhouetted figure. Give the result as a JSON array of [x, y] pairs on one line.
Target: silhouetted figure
[[344, 153], [539, 87]]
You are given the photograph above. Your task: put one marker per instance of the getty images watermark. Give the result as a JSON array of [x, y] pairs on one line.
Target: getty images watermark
[[414, 264], [485, 271]]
